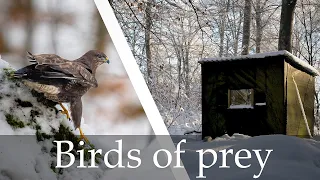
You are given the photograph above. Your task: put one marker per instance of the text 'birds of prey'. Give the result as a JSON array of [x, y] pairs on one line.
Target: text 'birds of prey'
[[63, 81]]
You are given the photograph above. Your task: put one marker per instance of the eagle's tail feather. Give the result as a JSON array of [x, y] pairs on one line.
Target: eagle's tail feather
[[19, 75], [31, 57], [59, 77]]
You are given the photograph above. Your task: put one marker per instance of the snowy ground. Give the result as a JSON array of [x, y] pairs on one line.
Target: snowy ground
[[291, 158]]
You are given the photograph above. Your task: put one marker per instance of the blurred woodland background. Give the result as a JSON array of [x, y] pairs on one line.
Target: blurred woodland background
[[70, 28], [168, 37]]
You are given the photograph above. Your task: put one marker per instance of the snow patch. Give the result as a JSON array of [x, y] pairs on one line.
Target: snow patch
[[261, 104], [241, 106], [291, 59], [3, 63], [235, 136], [290, 154]]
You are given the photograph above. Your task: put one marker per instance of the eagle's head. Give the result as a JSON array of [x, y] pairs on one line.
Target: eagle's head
[[98, 57], [93, 59]]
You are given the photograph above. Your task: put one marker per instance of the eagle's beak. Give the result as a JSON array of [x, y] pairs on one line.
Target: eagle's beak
[[107, 60]]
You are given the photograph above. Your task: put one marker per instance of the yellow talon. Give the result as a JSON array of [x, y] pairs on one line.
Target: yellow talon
[[65, 111], [82, 136]]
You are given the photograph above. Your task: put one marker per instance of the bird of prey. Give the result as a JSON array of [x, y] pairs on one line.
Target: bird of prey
[[63, 81]]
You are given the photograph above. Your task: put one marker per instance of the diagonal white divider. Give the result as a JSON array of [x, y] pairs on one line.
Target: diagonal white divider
[[137, 80], [131, 67]]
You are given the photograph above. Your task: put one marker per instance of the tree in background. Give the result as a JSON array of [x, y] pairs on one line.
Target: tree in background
[[246, 27], [148, 23], [286, 25], [185, 31]]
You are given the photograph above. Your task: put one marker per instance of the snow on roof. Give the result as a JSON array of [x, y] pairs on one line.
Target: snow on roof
[[290, 58]]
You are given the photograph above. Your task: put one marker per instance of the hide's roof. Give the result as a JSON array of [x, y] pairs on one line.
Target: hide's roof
[[290, 58]]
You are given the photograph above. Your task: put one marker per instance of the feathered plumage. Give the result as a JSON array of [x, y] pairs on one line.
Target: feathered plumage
[[61, 80]]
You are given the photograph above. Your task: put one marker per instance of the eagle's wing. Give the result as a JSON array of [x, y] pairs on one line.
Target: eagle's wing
[[76, 71], [54, 67], [42, 59]]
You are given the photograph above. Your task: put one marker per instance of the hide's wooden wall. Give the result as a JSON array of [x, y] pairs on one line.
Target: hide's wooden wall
[[265, 76], [295, 122], [275, 95]]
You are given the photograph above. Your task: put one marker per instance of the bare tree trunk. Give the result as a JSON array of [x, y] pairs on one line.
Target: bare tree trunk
[[222, 28], [179, 81], [246, 27], [147, 39], [259, 27], [286, 25], [236, 40], [221, 33], [187, 70], [29, 25], [307, 23], [101, 38], [236, 27], [3, 45], [54, 23], [227, 47], [186, 64]]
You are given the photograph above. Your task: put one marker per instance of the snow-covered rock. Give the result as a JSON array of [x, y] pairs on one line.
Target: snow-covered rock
[[33, 123]]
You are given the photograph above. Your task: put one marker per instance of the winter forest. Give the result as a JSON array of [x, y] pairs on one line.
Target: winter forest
[[168, 37]]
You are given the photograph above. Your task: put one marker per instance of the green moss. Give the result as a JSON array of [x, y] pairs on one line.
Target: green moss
[[38, 127], [52, 167], [14, 122], [8, 72], [64, 133], [41, 136]]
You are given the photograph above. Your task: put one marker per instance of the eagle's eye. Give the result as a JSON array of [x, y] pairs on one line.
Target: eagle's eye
[[102, 57]]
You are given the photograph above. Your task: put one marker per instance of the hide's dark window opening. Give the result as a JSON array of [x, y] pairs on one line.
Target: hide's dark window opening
[[240, 98]]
